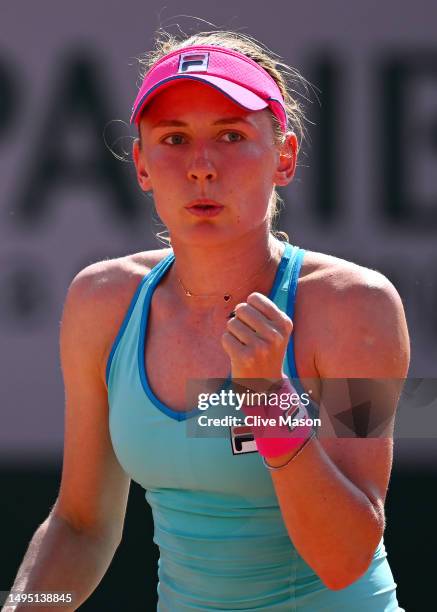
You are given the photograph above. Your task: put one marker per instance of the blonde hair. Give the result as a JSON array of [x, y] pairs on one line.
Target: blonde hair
[[288, 79]]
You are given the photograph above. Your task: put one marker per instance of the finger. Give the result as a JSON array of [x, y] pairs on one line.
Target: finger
[[262, 304], [264, 328], [234, 348], [251, 316], [245, 334]]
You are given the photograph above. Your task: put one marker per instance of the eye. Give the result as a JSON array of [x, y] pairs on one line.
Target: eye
[[174, 139], [232, 137]]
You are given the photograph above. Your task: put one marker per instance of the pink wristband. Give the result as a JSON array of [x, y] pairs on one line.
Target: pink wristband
[[273, 440]]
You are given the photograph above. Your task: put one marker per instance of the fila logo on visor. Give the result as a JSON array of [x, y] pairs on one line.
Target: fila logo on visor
[[193, 62]]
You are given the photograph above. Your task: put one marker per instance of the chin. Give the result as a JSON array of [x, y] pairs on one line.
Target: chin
[[208, 235]]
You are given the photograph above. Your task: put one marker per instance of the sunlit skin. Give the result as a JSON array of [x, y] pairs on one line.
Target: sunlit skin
[[197, 143], [348, 481], [349, 321], [223, 152]]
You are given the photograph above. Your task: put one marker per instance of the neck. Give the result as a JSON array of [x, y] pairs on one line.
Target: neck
[[224, 269]]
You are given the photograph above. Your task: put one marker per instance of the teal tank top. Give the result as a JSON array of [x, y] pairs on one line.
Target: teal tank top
[[222, 542]]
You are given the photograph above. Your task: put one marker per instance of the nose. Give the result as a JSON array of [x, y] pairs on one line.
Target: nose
[[201, 168]]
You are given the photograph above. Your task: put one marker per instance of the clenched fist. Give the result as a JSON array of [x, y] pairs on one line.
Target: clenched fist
[[256, 339]]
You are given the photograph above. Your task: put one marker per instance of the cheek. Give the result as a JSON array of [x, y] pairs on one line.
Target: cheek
[[252, 170], [161, 162], [249, 151], [253, 160]]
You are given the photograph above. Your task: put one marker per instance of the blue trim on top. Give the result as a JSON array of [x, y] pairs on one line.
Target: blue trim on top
[[179, 416], [174, 414], [288, 249], [291, 300], [127, 316]]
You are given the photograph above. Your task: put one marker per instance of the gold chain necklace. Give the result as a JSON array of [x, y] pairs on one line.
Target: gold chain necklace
[[226, 296]]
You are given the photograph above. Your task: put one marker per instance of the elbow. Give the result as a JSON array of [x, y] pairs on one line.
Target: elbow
[[345, 565], [338, 583], [352, 569], [341, 579]]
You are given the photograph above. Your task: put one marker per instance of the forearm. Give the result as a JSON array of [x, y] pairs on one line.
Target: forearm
[[332, 523], [61, 559]]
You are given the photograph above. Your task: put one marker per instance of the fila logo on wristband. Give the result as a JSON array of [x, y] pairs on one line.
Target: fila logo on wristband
[[193, 62], [242, 440]]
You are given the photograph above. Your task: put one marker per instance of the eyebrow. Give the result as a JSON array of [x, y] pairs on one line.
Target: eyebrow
[[177, 123]]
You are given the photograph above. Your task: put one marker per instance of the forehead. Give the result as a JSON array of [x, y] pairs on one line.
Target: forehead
[[189, 97]]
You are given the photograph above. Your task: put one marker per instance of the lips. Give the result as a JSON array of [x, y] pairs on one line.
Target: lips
[[204, 208], [204, 203]]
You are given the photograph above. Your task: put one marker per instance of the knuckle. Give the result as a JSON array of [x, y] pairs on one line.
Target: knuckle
[[239, 308], [276, 337], [287, 323], [226, 338], [254, 298], [232, 324]]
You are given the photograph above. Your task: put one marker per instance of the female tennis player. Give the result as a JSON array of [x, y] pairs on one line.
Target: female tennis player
[[243, 520]]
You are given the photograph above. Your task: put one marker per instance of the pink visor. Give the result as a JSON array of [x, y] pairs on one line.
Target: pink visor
[[232, 73]]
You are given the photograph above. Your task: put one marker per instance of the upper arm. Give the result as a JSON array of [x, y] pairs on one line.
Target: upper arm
[[94, 488], [365, 337]]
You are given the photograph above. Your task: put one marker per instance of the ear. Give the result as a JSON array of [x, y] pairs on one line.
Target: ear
[[286, 166], [142, 175]]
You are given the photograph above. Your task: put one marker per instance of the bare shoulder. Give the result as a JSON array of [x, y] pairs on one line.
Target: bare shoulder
[[109, 274], [334, 278], [111, 282], [356, 311], [99, 296]]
